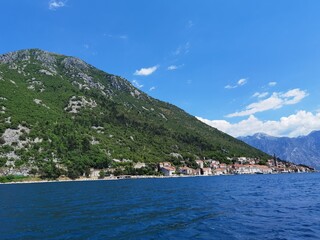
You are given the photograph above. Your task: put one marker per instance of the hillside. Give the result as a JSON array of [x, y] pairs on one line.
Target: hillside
[[59, 114], [300, 150]]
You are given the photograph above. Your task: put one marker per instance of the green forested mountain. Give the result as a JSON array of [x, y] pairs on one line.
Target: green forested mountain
[[60, 113]]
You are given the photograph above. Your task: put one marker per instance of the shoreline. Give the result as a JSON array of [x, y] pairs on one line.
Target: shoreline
[[108, 178], [97, 179], [129, 178]]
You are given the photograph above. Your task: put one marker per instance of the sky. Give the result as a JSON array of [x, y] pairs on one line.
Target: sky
[[242, 66]]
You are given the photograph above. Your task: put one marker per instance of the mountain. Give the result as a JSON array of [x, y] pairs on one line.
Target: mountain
[[60, 115], [301, 150]]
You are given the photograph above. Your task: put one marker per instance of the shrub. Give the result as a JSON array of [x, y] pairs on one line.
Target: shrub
[[102, 174], [2, 161]]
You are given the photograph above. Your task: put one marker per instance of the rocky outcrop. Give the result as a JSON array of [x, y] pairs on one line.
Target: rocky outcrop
[[76, 103]]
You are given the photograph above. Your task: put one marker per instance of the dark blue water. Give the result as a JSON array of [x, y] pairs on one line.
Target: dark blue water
[[283, 206]]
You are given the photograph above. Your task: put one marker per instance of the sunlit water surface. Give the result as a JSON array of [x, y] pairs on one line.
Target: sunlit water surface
[[284, 206]]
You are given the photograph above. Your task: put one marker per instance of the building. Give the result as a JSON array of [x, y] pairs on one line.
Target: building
[[271, 163], [215, 164], [186, 170], [196, 171], [219, 171], [242, 160], [200, 163], [165, 164], [168, 171], [251, 169], [206, 171], [223, 165], [264, 169]]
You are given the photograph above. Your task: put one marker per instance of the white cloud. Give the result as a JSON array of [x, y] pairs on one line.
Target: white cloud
[[172, 67], [275, 101], [183, 49], [152, 88], [241, 82], [272, 84], [230, 87], [260, 95], [146, 71], [137, 84], [55, 4], [298, 124]]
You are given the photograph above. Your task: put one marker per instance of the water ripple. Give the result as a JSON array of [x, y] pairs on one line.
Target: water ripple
[[229, 207]]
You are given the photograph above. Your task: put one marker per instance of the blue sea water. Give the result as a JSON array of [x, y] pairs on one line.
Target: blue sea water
[[284, 206]]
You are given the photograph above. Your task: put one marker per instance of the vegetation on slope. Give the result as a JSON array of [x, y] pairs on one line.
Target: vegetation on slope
[[70, 117]]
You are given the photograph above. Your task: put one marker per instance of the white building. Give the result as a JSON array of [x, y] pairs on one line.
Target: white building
[[206, 171], [168, 171]]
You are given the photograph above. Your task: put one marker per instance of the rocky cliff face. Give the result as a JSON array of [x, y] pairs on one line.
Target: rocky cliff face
[[300, 150]]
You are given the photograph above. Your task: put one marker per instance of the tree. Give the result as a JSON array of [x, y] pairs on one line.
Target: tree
[[33, 171], [2, 161], [86, 144], [102, 174], [50, 171]]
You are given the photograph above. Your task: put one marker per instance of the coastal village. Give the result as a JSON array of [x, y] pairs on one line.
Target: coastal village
[[207, 167], [241, 165]]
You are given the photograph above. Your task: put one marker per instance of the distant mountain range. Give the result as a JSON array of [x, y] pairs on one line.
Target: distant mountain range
[[300, 150]]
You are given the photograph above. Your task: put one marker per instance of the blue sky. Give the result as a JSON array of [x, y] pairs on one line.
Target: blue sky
[[243, 66]]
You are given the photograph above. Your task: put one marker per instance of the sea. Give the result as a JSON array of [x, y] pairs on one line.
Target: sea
[[275, 206]]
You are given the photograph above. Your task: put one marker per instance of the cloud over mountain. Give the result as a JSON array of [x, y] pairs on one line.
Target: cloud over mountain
[[300, 123], [275, 101]]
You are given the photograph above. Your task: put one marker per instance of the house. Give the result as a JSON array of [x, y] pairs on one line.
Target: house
[[208, 161], [168, 171], [196, 171], [251, 169], [219, 171], [264, 169], [206, 171], [215, 164], [252, 161], [223, 165], [242, 160], [271, 163], [165, 164], [186, 170], [200, 163]]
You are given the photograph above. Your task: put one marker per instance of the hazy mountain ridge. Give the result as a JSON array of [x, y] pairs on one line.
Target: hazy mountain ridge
[[300, 150], [60, 112]]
